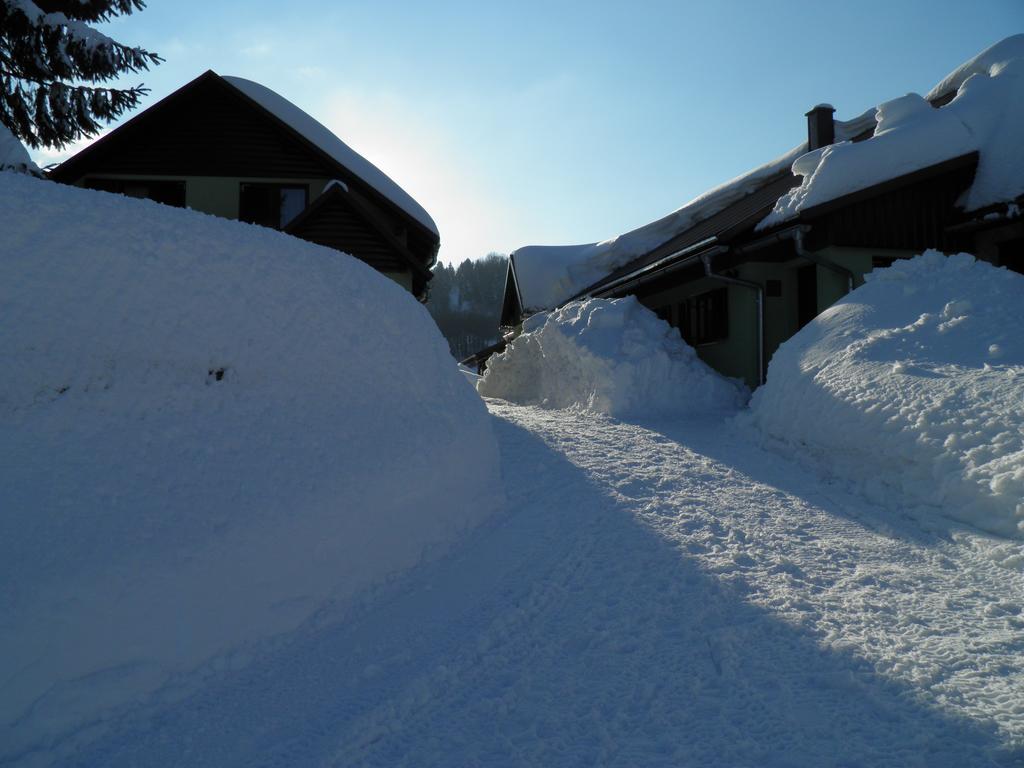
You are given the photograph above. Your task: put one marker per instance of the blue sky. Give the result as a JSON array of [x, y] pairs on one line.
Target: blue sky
[[562, 122]]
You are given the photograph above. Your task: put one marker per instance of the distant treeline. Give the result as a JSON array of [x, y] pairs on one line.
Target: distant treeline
[[465, 302]]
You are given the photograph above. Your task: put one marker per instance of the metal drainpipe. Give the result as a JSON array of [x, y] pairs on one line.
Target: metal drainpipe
[[798, 242], [796, 234], [759, 289]]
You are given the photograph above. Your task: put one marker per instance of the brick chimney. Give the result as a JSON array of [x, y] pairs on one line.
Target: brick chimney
[[821, 130]]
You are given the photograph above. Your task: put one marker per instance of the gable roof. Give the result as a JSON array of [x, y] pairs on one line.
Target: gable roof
[[327, 156], [320, 136], [340, 219]]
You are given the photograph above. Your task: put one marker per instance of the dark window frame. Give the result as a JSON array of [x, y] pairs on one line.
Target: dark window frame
[[704, 318], [267, 218]]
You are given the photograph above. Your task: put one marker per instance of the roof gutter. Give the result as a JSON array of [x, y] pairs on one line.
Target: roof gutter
[[796, 235], [675, 260]]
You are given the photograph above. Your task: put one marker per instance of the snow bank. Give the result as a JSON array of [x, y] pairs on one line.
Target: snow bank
[[912, 386], [208, 431], [986, 116], [13, 155], [612, 356], [547, 276]]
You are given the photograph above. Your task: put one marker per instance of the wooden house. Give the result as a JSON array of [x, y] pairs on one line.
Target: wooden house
[[737, 285], [233, 148]]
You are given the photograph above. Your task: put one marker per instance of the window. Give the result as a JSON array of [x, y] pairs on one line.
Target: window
[[705, 318], [166, 192], [272, 205]]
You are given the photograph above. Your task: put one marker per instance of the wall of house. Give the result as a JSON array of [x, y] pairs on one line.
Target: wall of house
[[780, 312], [734, 356], [832, 285], [216, 195]]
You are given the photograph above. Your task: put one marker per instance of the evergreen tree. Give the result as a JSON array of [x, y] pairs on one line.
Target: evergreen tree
[[465, 302], [51, 61]]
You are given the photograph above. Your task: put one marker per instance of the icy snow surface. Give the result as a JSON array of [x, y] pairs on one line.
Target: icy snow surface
[[912, 388], [550, 275], [665, 595], [13, 155], [322, 137], [611, 356], [208, 431], [987, 116]]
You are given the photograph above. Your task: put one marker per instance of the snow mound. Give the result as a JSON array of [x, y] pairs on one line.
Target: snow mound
[[611, 356], [209, 431], [13, 155], [912, 386], [986, 116]]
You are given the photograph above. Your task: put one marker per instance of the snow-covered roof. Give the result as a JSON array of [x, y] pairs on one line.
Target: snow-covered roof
[[986, 116], [909, 134], [325, 140], [549, 275]]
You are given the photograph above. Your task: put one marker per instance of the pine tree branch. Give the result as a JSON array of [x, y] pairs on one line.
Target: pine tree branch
[[47, 43]]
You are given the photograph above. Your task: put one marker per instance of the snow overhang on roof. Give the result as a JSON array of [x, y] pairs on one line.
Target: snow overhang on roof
[[899, 137], [985, 116], [322, 137], [547, 276]]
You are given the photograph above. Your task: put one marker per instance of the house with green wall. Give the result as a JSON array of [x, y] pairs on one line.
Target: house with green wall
[[234, 148], [744, 266]]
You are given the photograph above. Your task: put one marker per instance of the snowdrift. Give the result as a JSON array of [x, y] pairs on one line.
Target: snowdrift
[[912, 386], [208, 432], [611, 356], [13, 155]]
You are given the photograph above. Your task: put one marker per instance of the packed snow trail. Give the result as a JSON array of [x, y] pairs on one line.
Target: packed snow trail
[[669, 596]]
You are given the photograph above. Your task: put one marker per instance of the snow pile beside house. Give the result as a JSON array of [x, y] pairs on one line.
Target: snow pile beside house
[[987, 116], [913, 387], [611, 356], [208, 432]]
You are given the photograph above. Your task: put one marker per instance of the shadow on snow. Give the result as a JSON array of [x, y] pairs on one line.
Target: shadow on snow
[[561, 633]]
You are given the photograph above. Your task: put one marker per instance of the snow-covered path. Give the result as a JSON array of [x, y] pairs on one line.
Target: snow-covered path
[[669, 596]]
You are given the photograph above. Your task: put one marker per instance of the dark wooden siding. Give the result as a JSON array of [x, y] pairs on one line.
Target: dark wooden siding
[[337, 225], [912, 215], [208, 128], [205, 130]]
